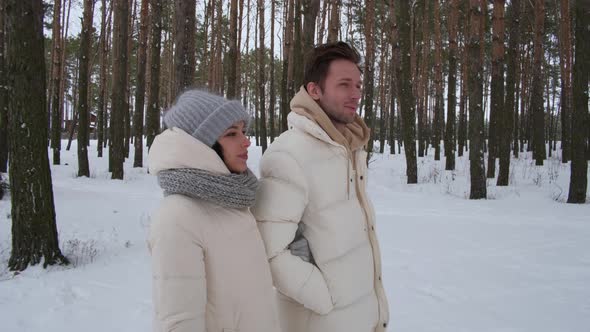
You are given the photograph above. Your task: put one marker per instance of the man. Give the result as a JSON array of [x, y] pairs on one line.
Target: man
[[313, 187]]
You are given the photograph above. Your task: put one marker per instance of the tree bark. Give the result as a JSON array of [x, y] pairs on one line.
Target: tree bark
[[321, 24], [565, 100], [271, 108], [523, 119], [34, 231], [438, 79], [218, 86], [463, 103], [422, 80], [184, 45], [245, 97], [118, 101], [127, 115], [297, 58], [334, 23], [56, 83], [233, 50], [153, 110], [239, 52], [369, 74], [476, 156], [102, 85], [62, 89], [310, 14], [140, 88], [287, 85], [579, 166], [497, 110], [452, 88], [383, 107], [516, 126], [261, 77], [507, 114], [405, 91], [3, 93], [537, 99], [83, 82], [393, 67]]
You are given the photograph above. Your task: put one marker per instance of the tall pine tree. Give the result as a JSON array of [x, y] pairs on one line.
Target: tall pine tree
[[34, 231]]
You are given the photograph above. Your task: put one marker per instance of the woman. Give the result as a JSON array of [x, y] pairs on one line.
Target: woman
[[210, 271]]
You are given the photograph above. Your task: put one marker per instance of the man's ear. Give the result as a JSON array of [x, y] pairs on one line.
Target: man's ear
[[314, 90]]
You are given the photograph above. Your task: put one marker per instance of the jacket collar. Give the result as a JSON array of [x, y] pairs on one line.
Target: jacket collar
[[174, 148], [307, 115]]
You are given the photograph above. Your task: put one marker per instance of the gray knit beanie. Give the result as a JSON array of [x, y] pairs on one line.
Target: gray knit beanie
[[205, 116]]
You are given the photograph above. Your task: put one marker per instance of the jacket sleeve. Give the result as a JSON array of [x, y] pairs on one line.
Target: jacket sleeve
[[179, 285], [280, 203]]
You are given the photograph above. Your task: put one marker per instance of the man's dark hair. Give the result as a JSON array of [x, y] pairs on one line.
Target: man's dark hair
[[319, 59]]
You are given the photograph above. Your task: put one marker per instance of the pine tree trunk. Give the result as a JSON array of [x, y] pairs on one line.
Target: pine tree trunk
[[256, 91], [153, 110], [497, 110], [102, 85], [298, 63], [537, 99], [393, 67], [140, 88], [218, 86], [382, 87], [212, 77], [524, 65], [310, 14], [438, 79], [516, 126], [56, 83], [271, 108], [3, 94], [462, 132], [565, 55], [422, 80], [321, 27], [452, 88], [34, 231], [233, 50], [170, 72], [405, 91], [184, 45], [239, 52], [205, 79], [369, 74], [506, 116], [109, 84], [334, 23], [286, 86], [552, 131], [127, 128], [261, 77], [62, 89], [118, 101], [83, 83], [245, 95], [580, 120], [476, 137]]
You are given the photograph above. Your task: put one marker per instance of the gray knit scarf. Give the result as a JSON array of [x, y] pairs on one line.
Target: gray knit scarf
[[232, 190]]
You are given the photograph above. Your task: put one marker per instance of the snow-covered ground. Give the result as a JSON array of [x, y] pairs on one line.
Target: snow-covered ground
[[518, 261]]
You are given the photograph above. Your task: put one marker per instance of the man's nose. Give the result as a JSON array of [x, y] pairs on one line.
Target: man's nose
[[357, 94]]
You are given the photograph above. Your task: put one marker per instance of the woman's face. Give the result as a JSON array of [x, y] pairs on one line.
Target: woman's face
[[234, 146]]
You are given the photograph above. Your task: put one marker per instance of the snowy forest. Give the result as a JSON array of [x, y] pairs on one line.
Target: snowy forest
[[478, 110]]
